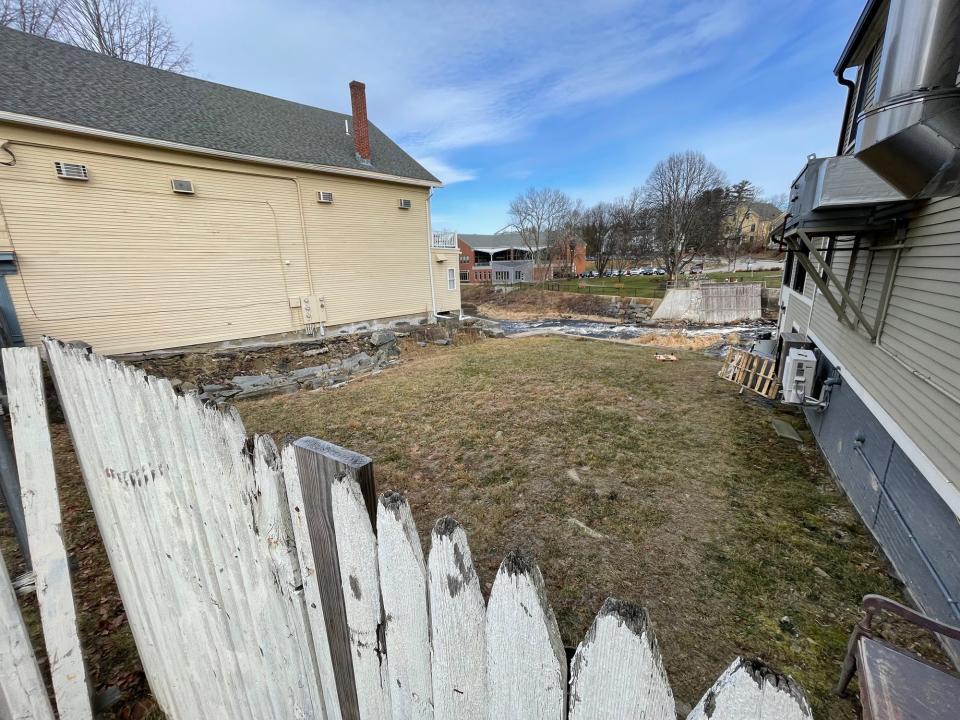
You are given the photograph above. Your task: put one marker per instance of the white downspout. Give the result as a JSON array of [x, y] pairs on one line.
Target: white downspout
[[433, 291]]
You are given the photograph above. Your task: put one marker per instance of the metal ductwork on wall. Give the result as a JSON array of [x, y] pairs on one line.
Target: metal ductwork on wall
[[911, 135]]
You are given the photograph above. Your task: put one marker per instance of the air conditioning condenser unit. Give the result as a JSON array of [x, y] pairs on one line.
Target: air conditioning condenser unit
[[798, 374]]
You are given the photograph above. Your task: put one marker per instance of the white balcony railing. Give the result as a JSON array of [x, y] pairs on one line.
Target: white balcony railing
[[446, 240]]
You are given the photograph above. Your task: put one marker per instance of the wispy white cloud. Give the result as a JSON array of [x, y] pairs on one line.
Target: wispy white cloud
[[442, 77], [448, 174]]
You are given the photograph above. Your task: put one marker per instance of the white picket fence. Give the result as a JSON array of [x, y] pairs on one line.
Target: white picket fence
[[268, 584]]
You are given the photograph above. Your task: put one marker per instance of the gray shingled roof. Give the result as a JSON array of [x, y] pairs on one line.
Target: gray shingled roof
[[486, 242], [54, 81], [765, 210]]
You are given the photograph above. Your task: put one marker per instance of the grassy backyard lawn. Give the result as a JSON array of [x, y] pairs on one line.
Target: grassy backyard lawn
[[738, 542]]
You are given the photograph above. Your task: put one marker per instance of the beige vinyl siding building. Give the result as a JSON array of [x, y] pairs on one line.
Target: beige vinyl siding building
[[123, 262]]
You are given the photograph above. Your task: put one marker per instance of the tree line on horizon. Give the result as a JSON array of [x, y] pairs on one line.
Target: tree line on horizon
[[685, 208]]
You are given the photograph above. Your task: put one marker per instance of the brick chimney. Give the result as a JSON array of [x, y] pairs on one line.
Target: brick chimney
[[361, 131]]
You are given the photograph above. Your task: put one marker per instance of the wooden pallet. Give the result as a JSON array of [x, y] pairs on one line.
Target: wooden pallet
[[751, 371]]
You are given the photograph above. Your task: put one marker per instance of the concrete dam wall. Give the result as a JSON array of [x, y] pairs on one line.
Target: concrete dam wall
[[712, 303]]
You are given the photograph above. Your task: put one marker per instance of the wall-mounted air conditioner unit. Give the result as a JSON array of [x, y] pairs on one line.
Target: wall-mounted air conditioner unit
[[798, 374], [325, 197], [182, 187], [71, 171], [405, 204]]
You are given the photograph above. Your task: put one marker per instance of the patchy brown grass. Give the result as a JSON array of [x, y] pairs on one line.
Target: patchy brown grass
[[678, 341], [711, 521]]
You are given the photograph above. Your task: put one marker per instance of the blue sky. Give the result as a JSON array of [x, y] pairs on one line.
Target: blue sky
[[500, 95]]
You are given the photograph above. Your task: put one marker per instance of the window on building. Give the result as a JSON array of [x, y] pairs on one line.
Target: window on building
[[501, 275], [828, 256], [753, 227], [464, 276], [518, 275], [464, 259], [451, 279], [800, 273], [788, 269]]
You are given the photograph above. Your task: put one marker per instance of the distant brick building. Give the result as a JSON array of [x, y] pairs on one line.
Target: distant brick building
[[504, 259]]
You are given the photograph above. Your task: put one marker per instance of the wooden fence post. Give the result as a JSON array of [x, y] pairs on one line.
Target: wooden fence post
[[313, 601], [41, 505], [526, 662], [457, 621], [617, 671], [22, 692], [750, 689], [403, 585], [319, 465]]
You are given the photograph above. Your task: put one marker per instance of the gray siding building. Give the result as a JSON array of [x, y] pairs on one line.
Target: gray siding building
[[872, 283]]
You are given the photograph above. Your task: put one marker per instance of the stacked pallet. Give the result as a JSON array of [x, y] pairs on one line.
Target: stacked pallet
[[751, 371]]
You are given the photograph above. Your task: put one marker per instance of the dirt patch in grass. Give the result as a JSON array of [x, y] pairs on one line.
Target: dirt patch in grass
[[523, 304], [708, 519]]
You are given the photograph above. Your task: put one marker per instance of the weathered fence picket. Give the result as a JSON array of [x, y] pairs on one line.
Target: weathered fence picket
[[750, 689], [526, 662], [22, 693], [403, 585], [360, 585], [617, 671], [458, 626], [269, 585], [189, 522], [41, 508]]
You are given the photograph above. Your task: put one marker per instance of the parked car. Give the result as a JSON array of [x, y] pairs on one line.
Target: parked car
[[696, 269], [646, 271], [635, 271], [659, 271]]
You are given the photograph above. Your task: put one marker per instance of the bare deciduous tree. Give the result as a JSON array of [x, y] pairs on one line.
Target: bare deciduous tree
[[678, 194], [126, 29], [738, 201], [628, 219], [780, 201], [37, 17], [540, 217], [594, 227]]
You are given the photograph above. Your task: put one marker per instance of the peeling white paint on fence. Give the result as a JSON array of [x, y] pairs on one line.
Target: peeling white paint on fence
[[197, 541], [749, 689], [457, 621], [403, 585], [617, 671], [357, 553], [311, 587], [41, 506], [526, 662], [22, 693], [225, 576]]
